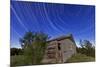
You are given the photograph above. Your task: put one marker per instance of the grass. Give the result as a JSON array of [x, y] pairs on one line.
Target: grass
[[80, 58], [20, 60]]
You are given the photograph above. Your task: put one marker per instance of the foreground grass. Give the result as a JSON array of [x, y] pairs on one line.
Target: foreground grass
[[20, 60], [80, 58]]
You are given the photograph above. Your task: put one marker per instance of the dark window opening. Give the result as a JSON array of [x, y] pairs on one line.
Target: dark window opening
[[59, 48]]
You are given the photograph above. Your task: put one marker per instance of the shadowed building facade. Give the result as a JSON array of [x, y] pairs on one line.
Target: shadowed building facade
[[59, 49]]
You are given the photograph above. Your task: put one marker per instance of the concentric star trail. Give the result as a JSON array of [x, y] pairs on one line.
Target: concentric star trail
[[19, 18], [53, 19]]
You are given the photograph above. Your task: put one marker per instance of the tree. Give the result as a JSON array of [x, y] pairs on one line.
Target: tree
[[39, 46], [27, 39], [86, 48], [87, 44], [16, 51], [34, 45]]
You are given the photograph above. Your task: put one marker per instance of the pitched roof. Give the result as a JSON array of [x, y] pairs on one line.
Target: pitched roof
[[69, 36], [61, 38]]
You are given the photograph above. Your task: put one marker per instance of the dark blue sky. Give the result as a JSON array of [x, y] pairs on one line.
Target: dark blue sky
[[53, 19]]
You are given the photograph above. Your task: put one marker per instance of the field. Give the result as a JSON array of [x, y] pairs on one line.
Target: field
[[80, 58], [20, 60]]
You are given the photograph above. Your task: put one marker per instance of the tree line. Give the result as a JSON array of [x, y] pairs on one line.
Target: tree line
[[86, 48], [16, 51]]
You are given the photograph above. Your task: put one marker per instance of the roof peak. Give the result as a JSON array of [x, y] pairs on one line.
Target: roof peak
[[61, 37]]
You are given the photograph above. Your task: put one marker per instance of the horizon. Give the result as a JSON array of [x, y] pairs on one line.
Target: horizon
[[53, 19]]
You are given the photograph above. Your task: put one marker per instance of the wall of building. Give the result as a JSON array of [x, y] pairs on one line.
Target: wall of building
[[54, 55], [68, 48]]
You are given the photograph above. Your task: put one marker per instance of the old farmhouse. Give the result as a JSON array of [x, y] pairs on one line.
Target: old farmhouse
[[59, 49]]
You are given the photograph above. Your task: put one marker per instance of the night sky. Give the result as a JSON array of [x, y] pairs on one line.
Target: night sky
[[53, 19]]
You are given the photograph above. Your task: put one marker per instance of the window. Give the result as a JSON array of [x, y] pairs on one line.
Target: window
[[59, 48]]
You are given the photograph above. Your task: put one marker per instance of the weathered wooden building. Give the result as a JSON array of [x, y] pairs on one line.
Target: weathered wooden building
[[60, 49]]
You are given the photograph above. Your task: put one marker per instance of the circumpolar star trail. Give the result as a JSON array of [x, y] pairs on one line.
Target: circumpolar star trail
[[53, 19], [18, 18]]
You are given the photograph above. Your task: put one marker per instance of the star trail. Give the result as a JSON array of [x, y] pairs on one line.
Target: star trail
[[53, 19]]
